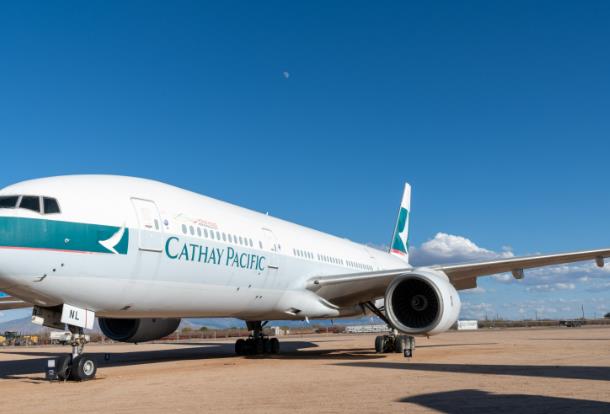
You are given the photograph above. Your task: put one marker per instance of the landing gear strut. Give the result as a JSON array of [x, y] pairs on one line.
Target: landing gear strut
[[257, 343], [392, 342], [77, 366]]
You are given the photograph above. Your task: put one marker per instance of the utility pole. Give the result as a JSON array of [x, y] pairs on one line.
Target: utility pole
[[582, 307]]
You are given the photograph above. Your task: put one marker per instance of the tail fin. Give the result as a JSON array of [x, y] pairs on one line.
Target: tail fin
[[400, 240]]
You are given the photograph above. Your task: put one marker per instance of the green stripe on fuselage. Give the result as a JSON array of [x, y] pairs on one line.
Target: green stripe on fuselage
[[58, 235]]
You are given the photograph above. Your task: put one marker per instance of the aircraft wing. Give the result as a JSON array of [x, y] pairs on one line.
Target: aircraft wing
[[355, 288], [8, 302]]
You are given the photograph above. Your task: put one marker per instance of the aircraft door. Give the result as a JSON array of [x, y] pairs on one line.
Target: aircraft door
[[150, 229], [271, 244]]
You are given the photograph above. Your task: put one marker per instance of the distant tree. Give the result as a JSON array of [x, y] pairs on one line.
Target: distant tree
[[203, 328], [187, 329], [607, 315]]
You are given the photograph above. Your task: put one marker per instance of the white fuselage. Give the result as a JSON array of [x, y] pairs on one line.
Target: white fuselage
[[129, 247]]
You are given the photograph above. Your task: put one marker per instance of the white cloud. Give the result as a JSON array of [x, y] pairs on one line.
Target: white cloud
[[552, 287], [477, 310], [448, 248], [476, 290]]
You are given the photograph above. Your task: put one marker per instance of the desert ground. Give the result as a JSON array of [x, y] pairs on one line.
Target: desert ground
[[501, 371]]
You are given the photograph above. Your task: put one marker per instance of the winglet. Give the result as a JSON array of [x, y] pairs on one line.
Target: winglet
[[400, 239]]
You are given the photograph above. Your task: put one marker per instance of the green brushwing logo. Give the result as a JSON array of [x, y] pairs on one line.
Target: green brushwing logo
[[400, 242], [118, 242]]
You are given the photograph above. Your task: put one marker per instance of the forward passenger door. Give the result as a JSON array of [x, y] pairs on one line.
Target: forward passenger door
[[150, 230]]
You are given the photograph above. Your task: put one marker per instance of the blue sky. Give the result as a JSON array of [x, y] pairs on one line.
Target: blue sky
[[496, 112]]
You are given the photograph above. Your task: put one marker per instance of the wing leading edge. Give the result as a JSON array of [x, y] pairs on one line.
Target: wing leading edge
[[354, 288]]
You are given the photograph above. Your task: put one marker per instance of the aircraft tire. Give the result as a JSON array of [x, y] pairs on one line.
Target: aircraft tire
[[259, 346], [275, 345], [240, 347], [266, 345], [83, 368], [62, 367], [399, 344], [380, 344]]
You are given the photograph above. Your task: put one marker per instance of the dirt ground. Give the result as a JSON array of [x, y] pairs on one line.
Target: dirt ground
[[500, 371]]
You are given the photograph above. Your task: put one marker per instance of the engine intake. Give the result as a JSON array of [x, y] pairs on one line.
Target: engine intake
[[421, 303], [138, 330]]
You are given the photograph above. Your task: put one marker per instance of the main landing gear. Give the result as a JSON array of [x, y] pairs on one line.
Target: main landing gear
[[392, 342], [395, 343], [257, 343], [76, 366]]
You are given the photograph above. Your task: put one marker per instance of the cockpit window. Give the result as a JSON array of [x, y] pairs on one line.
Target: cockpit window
[[30, 203], [34, 203], [50, 205], [8, 201]]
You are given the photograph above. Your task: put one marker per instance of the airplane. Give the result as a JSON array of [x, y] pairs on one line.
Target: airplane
[[139, 255]]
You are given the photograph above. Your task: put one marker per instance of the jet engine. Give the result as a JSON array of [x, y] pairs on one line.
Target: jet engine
[[138, 330], [424, 302]]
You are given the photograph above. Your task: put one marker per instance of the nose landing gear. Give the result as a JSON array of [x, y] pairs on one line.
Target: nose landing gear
[[257, 343], [76, 366]]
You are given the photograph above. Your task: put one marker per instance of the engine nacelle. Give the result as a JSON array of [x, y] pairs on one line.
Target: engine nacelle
[[138, 330], [422, 303]]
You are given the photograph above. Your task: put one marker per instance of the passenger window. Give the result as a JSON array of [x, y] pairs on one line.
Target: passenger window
[[252, 244], [156, 221], [8, 201], [241, 240], [192, 230], [50, 205], [184, 228], [230, 238], [260, 244], [211, 234], [224, 237], [205, 232], [199, 231], [217, 235]]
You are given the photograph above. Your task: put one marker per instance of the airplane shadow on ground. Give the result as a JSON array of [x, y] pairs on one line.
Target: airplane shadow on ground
[[184, 351], [548, 371], [476, 401]]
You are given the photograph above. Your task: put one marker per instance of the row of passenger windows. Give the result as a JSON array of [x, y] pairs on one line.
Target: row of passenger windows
[[358, 265], [217, 235], [329, 259], [44, 205]]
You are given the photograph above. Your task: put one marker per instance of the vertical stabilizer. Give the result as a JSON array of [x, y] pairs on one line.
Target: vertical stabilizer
[[400, 240]]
